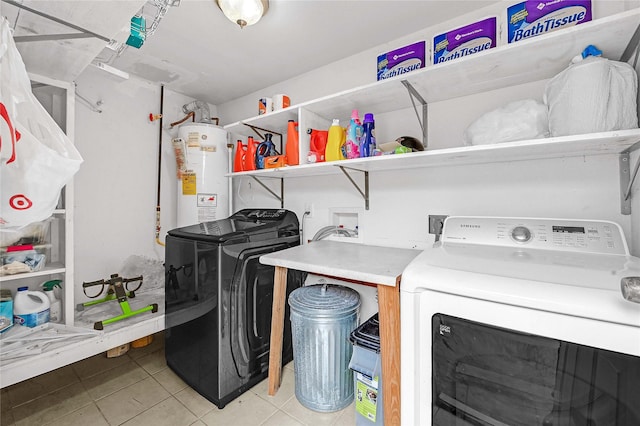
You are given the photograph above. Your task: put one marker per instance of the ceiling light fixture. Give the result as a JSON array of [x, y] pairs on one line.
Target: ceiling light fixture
[[243, 12]]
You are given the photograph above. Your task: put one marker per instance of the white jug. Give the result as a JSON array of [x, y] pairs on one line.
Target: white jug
[[30, 308]]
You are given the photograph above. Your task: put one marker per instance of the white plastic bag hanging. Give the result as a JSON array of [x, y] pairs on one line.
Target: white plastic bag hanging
[[592, 95], [36, 158]]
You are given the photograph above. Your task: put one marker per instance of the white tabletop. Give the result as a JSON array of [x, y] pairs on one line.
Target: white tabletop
[[371, 264]]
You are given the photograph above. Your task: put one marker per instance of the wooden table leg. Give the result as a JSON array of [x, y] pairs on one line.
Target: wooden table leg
[[389, 317], [277, 329]]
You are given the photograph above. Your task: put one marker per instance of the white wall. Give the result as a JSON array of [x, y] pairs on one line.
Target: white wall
[[401, 201], [116, 187]]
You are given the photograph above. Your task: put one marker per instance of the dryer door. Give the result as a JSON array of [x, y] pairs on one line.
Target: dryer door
[[251, 299]]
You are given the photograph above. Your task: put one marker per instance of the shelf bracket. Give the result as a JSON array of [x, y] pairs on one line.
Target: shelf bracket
[[631, 46], [422, 118], [627, 179], [278, 197], [365, 193]]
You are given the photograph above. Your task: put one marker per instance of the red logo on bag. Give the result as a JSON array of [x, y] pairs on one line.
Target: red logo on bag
[[20, 202], [15, 135]]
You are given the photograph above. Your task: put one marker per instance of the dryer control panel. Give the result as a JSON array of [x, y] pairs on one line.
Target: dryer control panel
[[577, 235]]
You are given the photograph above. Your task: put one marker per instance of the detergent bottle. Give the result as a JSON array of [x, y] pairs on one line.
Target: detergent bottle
[[250, 156], [239, 159], [368, 140], [30, 308], [354, 134], [292, 147], [265, 149], [335, 142], [318, 145], [55, 309]]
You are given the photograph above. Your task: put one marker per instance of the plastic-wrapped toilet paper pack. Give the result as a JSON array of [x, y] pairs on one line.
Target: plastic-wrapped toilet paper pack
[[519, 120], [592, 95]]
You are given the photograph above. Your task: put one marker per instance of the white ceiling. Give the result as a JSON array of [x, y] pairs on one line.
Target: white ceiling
[[65, 59], [198, 52]]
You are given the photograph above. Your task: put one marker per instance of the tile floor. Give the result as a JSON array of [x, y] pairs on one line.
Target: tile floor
[[138, 388]]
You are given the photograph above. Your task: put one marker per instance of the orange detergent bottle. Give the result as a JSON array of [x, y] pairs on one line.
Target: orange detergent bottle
[[250, 156], [241, 152], [292, 147]]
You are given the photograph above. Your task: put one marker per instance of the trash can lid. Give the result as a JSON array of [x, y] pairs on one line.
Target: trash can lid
[[367, 335], [324, 300]]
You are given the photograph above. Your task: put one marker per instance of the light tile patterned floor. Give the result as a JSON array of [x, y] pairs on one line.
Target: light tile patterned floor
[[138, 389]]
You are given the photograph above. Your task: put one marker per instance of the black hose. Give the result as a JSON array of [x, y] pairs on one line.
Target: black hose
[[159, 166], [160, 144]]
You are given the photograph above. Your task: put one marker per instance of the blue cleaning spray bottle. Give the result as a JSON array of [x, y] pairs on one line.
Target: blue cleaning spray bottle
[[368, 140]]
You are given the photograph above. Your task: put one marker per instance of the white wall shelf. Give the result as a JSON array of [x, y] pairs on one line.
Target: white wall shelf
[[620, 142], [533, 59], [530, 60], [50, 269], [536, 149], [84, 344]]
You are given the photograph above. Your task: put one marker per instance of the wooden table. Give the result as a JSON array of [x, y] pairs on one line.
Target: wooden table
[[381, 266]]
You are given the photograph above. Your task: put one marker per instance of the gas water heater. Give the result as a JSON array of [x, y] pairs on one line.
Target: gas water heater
[[203, 192]]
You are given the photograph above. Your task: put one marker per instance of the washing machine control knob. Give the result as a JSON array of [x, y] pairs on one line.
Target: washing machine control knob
[[521, 234]]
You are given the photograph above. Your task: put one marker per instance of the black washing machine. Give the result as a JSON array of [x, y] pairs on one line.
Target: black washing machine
[[218, 300]]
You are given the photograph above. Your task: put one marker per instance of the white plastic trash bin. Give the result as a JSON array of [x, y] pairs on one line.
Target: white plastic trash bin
[[322, 318]]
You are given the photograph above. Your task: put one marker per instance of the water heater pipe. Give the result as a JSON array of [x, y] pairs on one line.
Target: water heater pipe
[[191, 115], [205, 116]]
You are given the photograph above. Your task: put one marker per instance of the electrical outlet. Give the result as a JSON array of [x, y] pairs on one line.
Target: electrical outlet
[[436, 222], [308, 207]]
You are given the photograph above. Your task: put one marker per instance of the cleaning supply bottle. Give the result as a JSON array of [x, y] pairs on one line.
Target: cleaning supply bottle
[[250, 156], [368, 140], [265, 149], [241, 152], [6, 310], [30, 308], [335, 141], [354, 134], [55, 306], [318, 145], [293, 146]]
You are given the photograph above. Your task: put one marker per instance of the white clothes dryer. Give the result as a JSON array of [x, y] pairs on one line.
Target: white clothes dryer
[[522, 321]]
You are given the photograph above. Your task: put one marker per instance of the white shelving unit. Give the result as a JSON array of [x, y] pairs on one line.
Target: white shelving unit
[[80, 340], [59, 262], [530, 60]]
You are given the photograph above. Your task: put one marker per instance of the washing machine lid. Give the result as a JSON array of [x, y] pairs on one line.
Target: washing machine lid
[[576, 281], [244, 225]]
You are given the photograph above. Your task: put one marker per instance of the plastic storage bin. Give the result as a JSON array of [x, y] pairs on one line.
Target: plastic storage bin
[[367, 369], [27, 246], [322, 317]]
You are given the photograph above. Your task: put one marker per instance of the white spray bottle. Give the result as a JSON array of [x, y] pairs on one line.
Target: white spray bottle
[[55, 305]]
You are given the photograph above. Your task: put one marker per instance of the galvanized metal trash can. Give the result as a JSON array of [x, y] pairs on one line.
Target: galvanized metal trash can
[[322, 318]]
